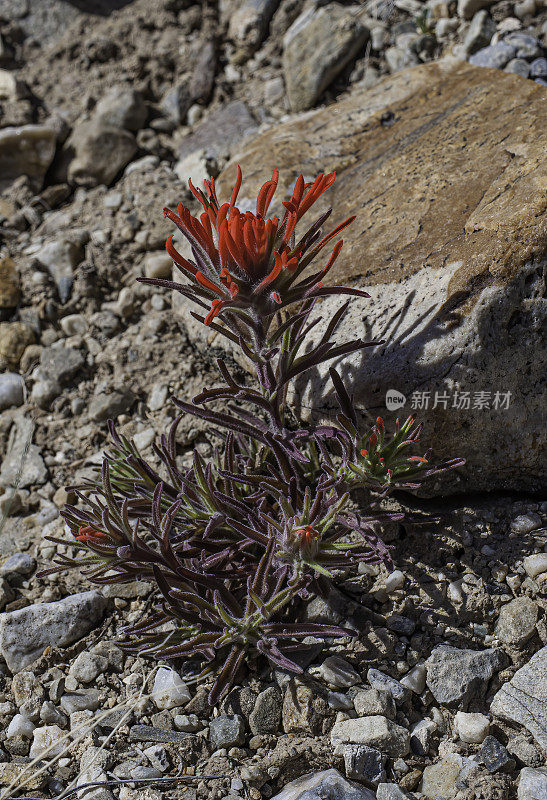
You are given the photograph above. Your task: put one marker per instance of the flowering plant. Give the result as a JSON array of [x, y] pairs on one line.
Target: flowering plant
[[236, 543]]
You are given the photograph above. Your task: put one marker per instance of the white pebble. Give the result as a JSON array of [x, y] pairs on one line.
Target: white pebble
[[48, 737], [454, 592], [169, 690], [73, 325], [337, 672], [158, 265], [144, 438], [536, 564], [20, 726], [471, 728], [394, 581], [186, 722], [525, 523]]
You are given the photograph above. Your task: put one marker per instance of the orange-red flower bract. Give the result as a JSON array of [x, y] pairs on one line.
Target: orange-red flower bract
[[248, 261]]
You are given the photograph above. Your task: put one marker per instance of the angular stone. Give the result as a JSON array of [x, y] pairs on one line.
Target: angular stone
[[60, 364], [220, 131], [326, 610], [18, 774], [266, 714], [376, 731], [479, 33], [48, 741], [415, 679], [440, 780], [457, 676], [106, 406], [317, 46], [60, 257], [14, 338], [420, 736], [17, 565], [385, 683], [100, 152], [329, 785], [471, 728], [390, 791], [169, 690], [299, 711], [225, 731], [202, 80], [158, 265], [20, 725], [23, 463], [526, 523], [27, 150], [87, 700], [364, 763], [249, 23], [338, 672], [533, 784], [467, 8], [87, 666], [535, 564], [523, 699], [494, 755], [121, 107], [25, 633], [95, 774], [517, 621], [370, 702], [455, 286]]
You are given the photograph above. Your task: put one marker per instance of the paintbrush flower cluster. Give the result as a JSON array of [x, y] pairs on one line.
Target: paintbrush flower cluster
[[235, 544]]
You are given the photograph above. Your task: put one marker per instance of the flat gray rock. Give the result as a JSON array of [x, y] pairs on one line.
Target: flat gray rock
[[23, 465], [457, 676], [220, 131], [25, 633], [523, 699], [316, 48], [326, 785]]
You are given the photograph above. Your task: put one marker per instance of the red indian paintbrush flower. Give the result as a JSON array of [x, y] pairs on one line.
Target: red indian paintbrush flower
[[247, 261]]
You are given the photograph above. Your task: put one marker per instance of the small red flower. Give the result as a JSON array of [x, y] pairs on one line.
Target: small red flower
[[248, 260], [87, 533]]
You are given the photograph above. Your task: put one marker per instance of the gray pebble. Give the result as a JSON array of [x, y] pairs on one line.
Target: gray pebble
[[147, 733], [226, 731], [527, 46], [385, 683], [11, 390], [87, 700], [364, 763], [538, 69], [518, 66], [495, 56], [494, 755]]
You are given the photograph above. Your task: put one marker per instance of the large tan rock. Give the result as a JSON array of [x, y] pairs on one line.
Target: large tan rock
[[444, 166]]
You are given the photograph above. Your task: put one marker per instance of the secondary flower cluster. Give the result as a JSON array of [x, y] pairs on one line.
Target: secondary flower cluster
[[236, 544]]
